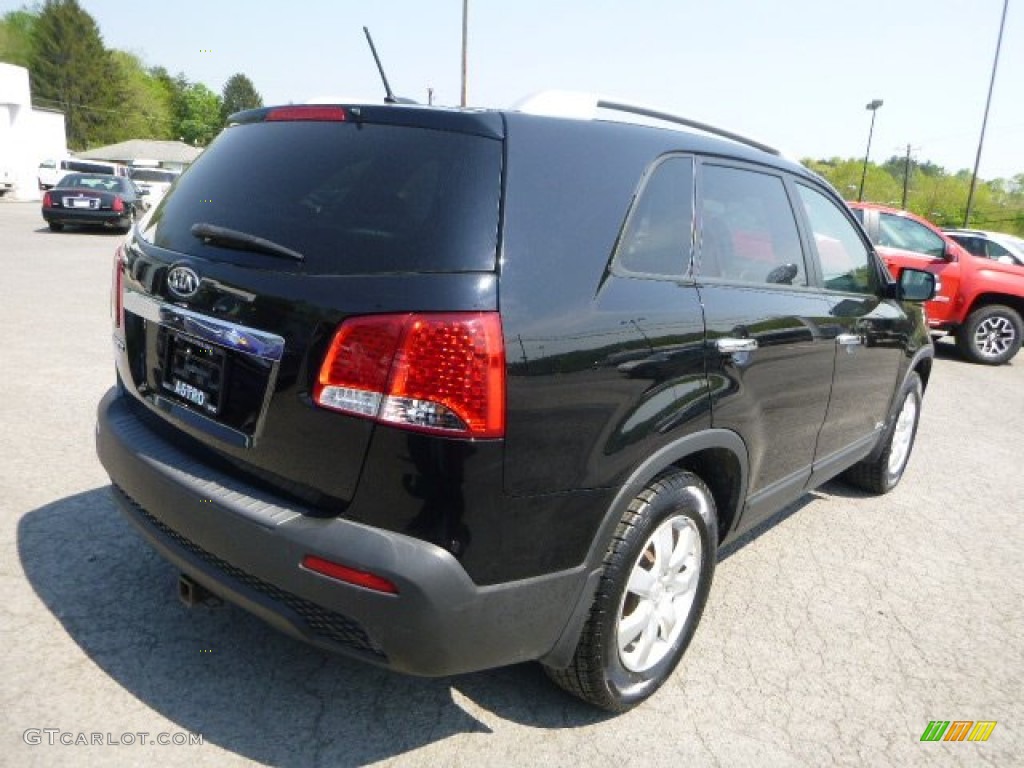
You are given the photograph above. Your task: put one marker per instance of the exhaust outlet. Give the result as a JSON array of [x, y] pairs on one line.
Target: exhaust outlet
[[191, 593]]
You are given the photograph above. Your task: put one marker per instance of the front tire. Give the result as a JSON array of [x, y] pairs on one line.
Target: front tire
[[991, 335], [655, 582], [884, 473]]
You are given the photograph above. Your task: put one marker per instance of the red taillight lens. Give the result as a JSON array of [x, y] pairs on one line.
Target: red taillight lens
[[349, 575], [47, 201], [118, 204], [439, 373], [117, 289], [329, 114], [355, 372]]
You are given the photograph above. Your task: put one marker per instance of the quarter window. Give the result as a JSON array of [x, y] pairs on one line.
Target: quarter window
[[845, 260], [748, 231], [658, 236]]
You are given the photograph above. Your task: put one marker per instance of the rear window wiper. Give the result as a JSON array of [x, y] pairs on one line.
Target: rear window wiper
[[233, 238]]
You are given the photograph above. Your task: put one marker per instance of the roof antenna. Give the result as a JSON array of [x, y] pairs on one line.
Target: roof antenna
[[389, 96]]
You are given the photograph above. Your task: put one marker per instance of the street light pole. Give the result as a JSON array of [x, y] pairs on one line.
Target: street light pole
[[984, 122], [465, 36], [873, 106]]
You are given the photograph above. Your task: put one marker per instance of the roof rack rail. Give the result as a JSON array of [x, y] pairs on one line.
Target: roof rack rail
[[585, 105]]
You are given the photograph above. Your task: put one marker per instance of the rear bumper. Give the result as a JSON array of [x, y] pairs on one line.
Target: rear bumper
[[245, 545], [86, 218]]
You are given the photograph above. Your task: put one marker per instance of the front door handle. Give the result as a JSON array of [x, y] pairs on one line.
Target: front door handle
[[729, 346]]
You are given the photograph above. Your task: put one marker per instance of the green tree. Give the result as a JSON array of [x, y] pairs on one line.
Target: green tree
[[70, 69], [201, 110], [17, 36], [239, 93], [146, 104]]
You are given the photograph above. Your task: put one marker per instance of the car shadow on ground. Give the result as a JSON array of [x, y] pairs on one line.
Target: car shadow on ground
[[222, 673], [219, 672], [73, 230]]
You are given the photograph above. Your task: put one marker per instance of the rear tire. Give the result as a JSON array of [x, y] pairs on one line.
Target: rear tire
[[55, 226], [655, 582], [991, 335], [883, 474]]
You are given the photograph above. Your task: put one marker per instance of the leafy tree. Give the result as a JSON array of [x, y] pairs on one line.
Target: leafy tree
[[933, 192], [146, 104], [239, 93], [71, 69], [201, 110], [17, 36]]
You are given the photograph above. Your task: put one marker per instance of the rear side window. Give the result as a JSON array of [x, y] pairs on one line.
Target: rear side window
[[658, 236], [352, 198], [748, 230]]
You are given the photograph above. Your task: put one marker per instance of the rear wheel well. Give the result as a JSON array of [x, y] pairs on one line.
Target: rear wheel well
[[721, 472]]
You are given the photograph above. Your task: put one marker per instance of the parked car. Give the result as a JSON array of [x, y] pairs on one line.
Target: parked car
[[52, 171], [1000, 246], [980, 301], [156, 181], [93, 200], [445, 390]]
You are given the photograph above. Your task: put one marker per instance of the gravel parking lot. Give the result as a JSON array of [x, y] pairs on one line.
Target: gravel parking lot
[[832, 637]]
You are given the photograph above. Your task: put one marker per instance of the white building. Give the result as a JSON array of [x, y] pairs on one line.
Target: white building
[[28, 135]]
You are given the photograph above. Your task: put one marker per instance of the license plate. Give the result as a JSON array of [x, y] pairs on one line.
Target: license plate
[[79, 203], [194, 371]]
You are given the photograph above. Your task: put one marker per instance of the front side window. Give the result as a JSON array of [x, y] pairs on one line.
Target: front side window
[[845, 261], [658, 235], [748, 230], [901, 232]]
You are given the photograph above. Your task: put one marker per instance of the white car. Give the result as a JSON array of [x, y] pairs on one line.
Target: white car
[[156, 181], [1000, 246]]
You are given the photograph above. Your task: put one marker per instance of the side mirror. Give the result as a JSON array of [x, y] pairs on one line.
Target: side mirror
[[949, 253], [916, 285]]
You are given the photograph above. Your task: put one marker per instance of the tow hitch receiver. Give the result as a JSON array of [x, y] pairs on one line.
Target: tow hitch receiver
[[191, 593]]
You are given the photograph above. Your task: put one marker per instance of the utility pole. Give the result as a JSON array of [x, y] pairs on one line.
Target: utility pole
[[984, 122], [465, 36], [906, 179]]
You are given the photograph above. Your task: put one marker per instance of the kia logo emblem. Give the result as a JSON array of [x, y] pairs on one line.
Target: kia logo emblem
[[182, 282]]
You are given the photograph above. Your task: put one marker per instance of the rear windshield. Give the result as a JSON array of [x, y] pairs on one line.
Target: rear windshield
[[151, 174], [351, 198]]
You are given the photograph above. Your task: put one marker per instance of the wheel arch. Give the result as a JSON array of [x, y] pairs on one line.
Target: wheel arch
[[987, 299], [717, 456]]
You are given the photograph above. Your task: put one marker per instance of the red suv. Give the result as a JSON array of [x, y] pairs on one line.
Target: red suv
[[979, 300]]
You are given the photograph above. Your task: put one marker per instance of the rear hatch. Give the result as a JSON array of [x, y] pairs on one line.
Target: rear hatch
[[232, 290]]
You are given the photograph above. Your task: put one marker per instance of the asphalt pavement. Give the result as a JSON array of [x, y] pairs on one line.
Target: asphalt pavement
[[833, 636]]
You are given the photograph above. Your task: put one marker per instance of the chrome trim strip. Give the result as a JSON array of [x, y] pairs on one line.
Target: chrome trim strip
[[241, 338]]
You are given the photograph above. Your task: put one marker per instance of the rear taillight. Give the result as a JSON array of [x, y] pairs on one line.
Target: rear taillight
[[438, 373], [47, 201], [320, 113], [117, 289], [118, 204]]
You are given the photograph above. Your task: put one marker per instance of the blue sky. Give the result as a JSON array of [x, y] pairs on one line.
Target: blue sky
[[793, 73]]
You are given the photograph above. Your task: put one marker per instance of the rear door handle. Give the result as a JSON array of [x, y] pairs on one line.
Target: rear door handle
[[849, 340], [729, 346]]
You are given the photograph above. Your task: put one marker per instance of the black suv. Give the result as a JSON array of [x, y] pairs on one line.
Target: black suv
[[451, 389]]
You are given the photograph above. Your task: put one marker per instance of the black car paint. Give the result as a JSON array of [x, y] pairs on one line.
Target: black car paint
[[611, 379], [104, 215]]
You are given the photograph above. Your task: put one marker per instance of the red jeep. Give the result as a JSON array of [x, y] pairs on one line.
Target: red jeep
[[980, 300]]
